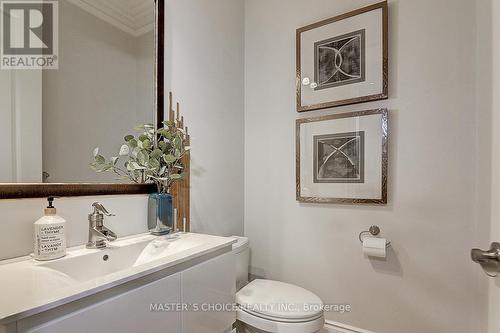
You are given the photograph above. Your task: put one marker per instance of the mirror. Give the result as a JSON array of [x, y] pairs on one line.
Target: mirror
[[105, 85]]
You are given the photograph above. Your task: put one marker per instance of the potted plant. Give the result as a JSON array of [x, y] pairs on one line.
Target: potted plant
[[154, 156]]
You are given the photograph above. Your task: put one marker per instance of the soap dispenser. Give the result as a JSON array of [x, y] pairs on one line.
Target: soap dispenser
[[50, 234]]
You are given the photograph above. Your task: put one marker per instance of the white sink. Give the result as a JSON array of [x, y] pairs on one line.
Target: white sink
[[29, 287], [118, 256]]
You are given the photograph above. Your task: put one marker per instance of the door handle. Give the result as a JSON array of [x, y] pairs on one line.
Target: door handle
[[489, 260]]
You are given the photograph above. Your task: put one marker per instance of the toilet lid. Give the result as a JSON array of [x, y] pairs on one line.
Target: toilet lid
[[279, 300]]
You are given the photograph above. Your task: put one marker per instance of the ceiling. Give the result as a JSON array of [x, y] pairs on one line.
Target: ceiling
[[132, 16]]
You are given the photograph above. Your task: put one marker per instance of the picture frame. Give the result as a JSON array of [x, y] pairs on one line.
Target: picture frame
[[343, 60], [343, 158]]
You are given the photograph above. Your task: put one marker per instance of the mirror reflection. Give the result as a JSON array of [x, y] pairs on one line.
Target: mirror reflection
[[101, 91]]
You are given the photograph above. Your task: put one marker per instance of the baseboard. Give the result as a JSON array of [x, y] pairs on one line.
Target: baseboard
[[334, 327]]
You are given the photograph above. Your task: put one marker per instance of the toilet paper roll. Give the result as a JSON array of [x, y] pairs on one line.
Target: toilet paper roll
[[374, 247]]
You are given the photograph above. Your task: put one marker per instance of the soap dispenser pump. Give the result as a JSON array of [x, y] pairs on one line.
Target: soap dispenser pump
[[50, 234]]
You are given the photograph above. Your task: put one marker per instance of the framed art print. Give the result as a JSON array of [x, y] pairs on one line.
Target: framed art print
[[343, 60], [342, 158]]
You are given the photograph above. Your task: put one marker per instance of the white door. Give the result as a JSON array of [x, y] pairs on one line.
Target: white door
[[494, 286], [490, 259], [20, 125]]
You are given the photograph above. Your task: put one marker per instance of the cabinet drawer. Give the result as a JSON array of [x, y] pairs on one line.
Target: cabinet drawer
[[127, 312]]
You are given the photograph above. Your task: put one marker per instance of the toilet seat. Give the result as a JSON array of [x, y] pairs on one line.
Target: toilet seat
[[275, 306], [274, 326], [283, 320], [279, 300]]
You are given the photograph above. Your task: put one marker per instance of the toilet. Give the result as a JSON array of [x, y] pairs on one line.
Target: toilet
[[267, 306]]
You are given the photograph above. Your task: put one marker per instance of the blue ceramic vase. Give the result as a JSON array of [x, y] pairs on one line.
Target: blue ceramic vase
[[160, 213]]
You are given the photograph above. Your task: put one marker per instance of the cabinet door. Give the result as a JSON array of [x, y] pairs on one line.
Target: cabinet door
[[129, 312], [208, 286], [9, 328]]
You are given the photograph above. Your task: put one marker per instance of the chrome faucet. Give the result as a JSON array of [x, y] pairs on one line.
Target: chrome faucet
[[98, 233]]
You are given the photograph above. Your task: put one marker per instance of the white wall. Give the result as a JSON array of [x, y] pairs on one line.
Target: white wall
[[428, 284], [18, 216], [204, 70]]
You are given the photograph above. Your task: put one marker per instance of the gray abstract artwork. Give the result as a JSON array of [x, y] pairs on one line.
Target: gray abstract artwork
[[340, 60], [339, 158]]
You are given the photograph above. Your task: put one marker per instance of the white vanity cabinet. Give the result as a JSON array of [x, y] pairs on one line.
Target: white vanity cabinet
[[212, 287], [128, 308], [127, 312]]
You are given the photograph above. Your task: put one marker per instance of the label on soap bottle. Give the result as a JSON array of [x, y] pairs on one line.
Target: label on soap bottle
[[50, 241]]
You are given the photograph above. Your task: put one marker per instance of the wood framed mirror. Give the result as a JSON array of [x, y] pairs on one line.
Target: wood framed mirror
[[110, 57]]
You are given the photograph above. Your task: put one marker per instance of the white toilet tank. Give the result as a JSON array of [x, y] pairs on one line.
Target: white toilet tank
[[241, 250]]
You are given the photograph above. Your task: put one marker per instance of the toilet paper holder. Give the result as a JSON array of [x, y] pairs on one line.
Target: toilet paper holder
[[373, 231]]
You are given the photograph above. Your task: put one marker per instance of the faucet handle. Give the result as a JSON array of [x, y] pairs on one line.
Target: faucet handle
[[99, 209]]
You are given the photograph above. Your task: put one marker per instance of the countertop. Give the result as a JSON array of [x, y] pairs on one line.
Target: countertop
[[27, 287]]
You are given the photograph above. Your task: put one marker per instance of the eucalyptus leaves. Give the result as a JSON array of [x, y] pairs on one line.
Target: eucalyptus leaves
[[154, 156]]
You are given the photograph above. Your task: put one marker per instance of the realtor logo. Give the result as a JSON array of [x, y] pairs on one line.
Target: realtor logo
[[29, 34]]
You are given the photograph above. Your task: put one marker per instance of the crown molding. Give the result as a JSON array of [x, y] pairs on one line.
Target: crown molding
[[133, 17]]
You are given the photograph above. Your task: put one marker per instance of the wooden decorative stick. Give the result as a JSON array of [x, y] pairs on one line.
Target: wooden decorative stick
[[181, 189], [170, 101]]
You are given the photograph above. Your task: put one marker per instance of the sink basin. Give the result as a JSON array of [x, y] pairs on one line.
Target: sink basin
[[118, 256], [28, 287]]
